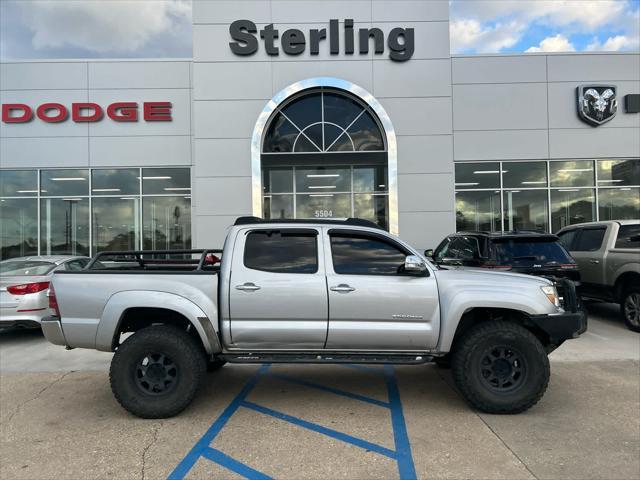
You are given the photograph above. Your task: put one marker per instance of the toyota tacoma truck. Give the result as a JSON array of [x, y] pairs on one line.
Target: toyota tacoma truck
[[334, 291]]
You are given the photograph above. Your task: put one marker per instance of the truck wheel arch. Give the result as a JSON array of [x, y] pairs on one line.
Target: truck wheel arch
[[157, 307], [623, 281]]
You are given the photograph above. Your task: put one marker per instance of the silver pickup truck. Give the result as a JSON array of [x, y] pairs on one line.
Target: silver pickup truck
[[608, 255], [307, 292]]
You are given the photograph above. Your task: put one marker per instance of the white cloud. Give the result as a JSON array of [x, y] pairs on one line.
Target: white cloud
[[489, 17], [104, 26], [471, 34], [557, 43]]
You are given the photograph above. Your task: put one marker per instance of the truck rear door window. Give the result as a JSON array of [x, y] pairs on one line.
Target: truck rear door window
[[364, 255], [527, 252], [628, 236], [282, 251], [589, 240]]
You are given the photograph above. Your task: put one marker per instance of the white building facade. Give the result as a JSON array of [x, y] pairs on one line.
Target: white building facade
[[352, 108]]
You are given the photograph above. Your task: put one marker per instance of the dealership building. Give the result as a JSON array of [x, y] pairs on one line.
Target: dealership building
[[313, 109]]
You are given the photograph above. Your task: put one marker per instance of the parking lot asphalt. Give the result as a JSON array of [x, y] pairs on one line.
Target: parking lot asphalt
[[58, 419]]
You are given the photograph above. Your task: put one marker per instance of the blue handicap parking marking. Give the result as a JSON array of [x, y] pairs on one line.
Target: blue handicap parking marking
[[402, 453]]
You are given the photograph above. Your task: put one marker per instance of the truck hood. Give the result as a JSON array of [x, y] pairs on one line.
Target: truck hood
[[487, 278]]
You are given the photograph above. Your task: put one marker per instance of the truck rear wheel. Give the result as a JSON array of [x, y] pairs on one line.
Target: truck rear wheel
[[630, 307], [157, 371], [500, 367]]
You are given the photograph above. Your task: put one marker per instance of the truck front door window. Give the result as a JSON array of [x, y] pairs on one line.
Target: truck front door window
[[365, 256]]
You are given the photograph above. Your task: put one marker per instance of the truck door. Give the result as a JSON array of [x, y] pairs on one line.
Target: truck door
[[588, 250], [278, 290], [373, 303]]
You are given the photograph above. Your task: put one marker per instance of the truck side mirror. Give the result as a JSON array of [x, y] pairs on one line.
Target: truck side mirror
[[428, 253], [414, 265]]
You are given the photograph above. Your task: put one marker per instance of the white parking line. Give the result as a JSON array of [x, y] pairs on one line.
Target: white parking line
[[596, 335]]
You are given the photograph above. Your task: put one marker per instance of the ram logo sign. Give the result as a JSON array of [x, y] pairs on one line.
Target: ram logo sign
[[597, 104]]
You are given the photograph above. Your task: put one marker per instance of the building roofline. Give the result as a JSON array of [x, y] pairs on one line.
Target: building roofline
[[95, 60], [540, 54]]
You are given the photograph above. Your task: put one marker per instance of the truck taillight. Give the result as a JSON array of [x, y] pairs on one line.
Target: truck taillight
[[53, 301], [27, 288]]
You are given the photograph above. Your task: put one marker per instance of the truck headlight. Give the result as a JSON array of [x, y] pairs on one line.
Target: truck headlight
[[552, 294]]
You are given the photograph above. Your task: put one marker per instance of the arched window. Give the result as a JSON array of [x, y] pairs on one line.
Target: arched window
[[323, 153], [323, 120]]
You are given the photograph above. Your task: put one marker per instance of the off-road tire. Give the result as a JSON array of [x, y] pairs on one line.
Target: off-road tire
[[631, 294], [185, 354], [468, 371]]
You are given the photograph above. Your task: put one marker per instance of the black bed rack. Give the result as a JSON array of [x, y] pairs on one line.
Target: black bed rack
[[138, 256]]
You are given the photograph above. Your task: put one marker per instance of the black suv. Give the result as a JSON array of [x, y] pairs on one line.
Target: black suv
[[532, 253]]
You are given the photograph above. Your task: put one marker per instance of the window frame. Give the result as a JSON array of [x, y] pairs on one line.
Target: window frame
[[310, 232], [339, 232]]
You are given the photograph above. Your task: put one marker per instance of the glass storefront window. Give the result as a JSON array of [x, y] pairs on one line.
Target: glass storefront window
[[619, 203], [323, 205], [477, 175], [164, 181], [524, 174], [579, 173], [116, 223], [322, 179], [570, 206], [118, 181], [19, 183], [277, 180], [278, 206], [616, 173], [370, 179], [166, 223], [373, 207], [525, 210], [56, 183], [19, 232], [64, 226], [478, 211]]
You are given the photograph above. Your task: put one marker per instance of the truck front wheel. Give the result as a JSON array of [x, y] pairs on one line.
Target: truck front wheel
[[157, 371], [500, 367]]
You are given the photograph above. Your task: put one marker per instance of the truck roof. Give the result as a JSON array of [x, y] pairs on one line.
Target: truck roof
[[351, 222]]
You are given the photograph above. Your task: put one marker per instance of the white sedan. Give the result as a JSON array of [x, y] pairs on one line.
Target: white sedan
[[24, 285]]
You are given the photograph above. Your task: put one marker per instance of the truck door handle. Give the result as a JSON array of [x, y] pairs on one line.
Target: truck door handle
[[343, 287], [248, 287], [594, 261]]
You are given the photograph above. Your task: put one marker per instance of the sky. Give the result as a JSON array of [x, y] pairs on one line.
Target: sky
[[162, 28]]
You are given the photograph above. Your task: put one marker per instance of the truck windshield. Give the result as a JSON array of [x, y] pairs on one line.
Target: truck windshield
[[525, 252], [24, 267]]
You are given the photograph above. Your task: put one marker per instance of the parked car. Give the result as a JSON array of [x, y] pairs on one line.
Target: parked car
[[24, 284], [608, 254], [309, 292], [531, 253]]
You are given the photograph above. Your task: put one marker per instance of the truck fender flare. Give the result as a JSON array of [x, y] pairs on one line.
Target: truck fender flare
[[120, 302], [462, 302]]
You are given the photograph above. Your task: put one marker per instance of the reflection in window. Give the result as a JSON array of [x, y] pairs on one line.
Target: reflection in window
[[615, 173], [323, 205], [619, 203], [570, 206], [121, 181], [524, 174], [64, 226], [116, 223], [164, 181], [572, 173], [277, 180], [370, 179], [477, 175], [166, 223], [323, 179], [373, 207], [478, 211], [19, 183], [19, 232], [525, 210], [323, 120], [278, 206], [365, 256], [57, 183]]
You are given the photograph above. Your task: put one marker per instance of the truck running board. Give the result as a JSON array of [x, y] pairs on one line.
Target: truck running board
[[270, 357]]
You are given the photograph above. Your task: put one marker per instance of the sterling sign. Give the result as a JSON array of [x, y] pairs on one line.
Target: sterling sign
[[294, 42], [86, 112]]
